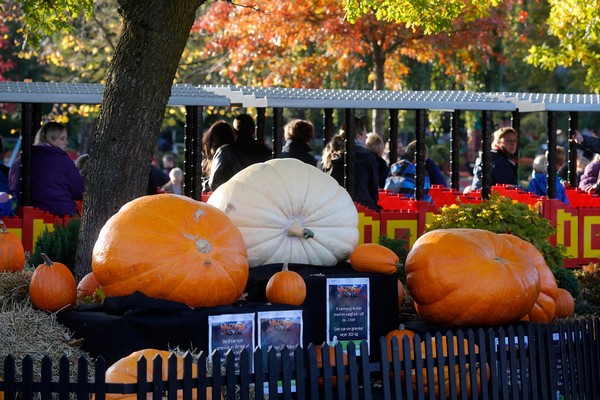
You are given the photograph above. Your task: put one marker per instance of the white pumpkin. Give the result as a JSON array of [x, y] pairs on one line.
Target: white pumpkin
[[289, 211]]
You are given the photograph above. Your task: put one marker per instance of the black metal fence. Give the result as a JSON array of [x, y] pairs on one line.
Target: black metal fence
[[525, 361]]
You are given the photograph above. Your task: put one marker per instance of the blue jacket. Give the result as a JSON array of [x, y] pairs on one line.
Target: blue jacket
[[402, 180], [539, 183]]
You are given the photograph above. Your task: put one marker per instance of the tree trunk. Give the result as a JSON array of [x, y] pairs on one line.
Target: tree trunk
[[136, 92]]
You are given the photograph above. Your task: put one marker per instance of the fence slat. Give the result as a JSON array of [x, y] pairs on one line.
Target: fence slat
[[245, 374], [366, 369], [46, 379], [353, 370]]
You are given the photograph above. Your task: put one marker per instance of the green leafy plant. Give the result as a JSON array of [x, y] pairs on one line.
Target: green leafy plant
[[589, 281], [60, 244], [501, 214]]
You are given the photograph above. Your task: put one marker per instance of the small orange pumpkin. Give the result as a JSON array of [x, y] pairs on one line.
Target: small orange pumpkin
[[12, 254], [286, 287], [399, 333], [373, 257], [446, 370], [332, 362], [125, 371], [565, 304], [52, 286], [87, 286], [545, 306]]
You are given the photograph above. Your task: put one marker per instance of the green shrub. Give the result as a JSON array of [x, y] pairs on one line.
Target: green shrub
[[60, 244], [589, 281]]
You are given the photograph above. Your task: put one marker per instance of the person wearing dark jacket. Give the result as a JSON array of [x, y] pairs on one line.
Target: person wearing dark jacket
[[297, 134], [504, 159], [220, 162], [248, 150], [55, 180], [366, 180]]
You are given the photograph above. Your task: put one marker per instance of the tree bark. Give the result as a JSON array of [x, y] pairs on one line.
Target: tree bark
[[136, 92]]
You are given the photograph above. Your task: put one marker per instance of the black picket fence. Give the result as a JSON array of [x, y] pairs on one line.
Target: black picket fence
[[526, 361]]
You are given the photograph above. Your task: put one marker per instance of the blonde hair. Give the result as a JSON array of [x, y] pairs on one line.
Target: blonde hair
[[176, 174], [375, 143], [49, 132], [540, 164], [500, 133], [334, 150]]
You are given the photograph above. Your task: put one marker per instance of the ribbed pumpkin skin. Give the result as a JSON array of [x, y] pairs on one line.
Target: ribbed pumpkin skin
[[545, 306], [272, 203], [399, 334], [466, 277], [174, 248], [373, 257], [286, 287], [12, 254], [125, 371], [52, 287], [565, 304]]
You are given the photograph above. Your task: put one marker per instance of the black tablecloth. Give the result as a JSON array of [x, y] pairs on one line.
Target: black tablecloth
[[121, 325]]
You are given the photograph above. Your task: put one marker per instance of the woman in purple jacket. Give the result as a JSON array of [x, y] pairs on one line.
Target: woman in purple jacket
[[55, 180]]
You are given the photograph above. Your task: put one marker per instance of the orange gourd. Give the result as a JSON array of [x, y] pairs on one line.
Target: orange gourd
[[332, 362], [12, 254], [286, 287], [174, 248], [565, 304], [87, 286], [545, 306], [125, 371], [399, 333], [52, 286], [401, 294], [446, 369], [372, 257], [466, 277]]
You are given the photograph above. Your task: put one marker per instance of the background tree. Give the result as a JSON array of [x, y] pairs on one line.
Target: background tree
[[311, 44], [574, 26]]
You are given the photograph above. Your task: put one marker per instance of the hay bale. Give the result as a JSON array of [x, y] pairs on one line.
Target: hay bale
[[26, 331], [14, 289]]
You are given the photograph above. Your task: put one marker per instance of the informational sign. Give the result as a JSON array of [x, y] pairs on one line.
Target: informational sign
[[231, 332], [282, 331], [348, 311]]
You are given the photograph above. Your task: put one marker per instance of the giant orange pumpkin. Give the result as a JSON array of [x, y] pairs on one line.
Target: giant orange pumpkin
[[174, 248], [466, 277], [52, 286], [125, 371], [565, 304], [446, 369], [373, 257], [12, 254], [545, 306]]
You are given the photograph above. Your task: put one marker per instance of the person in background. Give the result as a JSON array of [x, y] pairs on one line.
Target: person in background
[[4, 171], [220, 160], [297, 134], [436, 176], [169, 161], [589, 179], [375, 143], [333, 155], [247, 148], [82, 164], [539, 180], [504, 159], [366, 182], [175, 184], [55, 180], [403, 174]]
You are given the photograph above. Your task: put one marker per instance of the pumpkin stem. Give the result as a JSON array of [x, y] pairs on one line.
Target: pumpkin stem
[[203, 245], [3, 227], [295, 229], [47, 260], [401, 327], [285, 267]]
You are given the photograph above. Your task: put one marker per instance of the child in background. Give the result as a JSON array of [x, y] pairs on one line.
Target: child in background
[[175, 184]]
